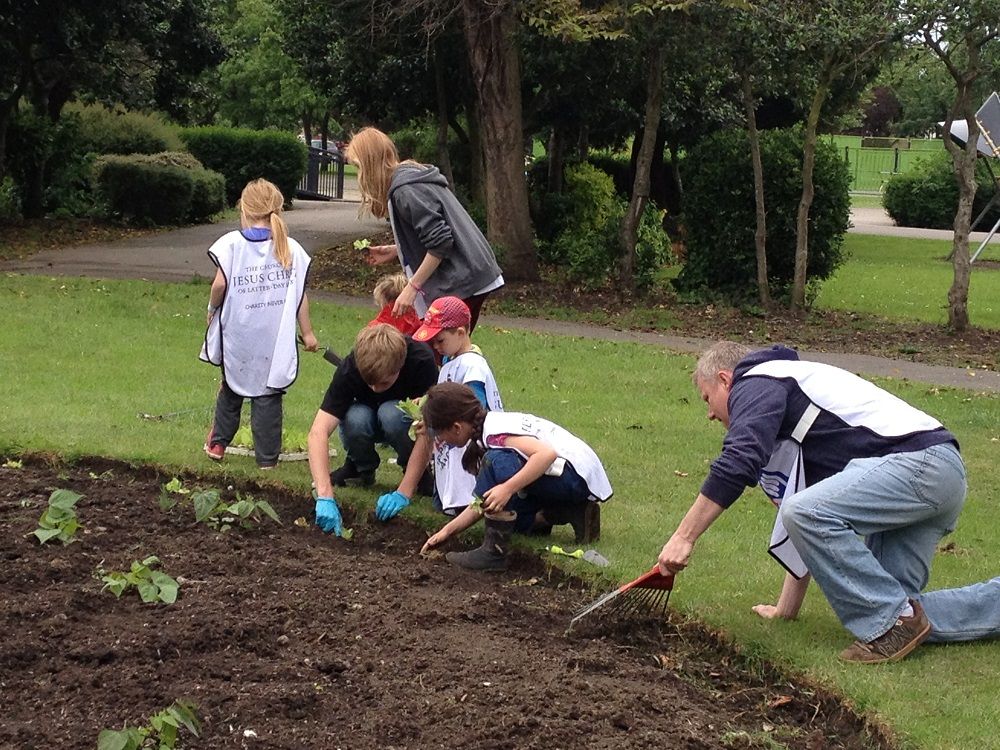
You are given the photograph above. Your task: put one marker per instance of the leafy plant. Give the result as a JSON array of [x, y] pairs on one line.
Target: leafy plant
[[247, 512], [362, 244], [58, 521], [152, 585], [161, 731], [412, 407], [168, 492], [13, 464], [292, 441]]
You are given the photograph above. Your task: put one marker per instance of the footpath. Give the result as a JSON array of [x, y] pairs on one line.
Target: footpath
[[180, 255]]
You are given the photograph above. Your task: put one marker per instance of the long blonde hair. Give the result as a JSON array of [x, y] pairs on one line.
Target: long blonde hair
[[376, 157], [262, 201]]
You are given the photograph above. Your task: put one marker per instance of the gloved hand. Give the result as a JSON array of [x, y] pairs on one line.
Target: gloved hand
[[390, 505], [328, 515]]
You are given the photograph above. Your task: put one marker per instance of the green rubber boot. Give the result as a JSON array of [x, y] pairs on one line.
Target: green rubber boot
[[492, 555]]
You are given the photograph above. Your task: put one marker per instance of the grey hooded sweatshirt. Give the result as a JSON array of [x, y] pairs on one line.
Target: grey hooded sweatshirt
[[426, 217]]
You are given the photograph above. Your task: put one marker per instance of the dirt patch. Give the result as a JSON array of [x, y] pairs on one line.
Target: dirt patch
[[287, 638], [342, 269]]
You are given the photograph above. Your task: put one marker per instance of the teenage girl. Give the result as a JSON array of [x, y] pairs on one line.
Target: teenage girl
[[439, 246]]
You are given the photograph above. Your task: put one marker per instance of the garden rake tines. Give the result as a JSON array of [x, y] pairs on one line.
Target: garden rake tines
[[647, 594]]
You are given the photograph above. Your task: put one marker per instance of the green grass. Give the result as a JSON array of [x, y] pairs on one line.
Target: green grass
[[865, 200], [908, 279], [84, 357]]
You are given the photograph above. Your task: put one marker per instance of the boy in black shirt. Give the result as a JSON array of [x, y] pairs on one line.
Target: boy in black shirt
[[383, 368]]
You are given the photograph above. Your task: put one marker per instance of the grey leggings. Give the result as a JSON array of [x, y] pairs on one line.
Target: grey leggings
[[265, 422]]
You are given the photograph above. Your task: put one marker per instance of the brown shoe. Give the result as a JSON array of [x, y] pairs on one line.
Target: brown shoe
[[901, 639]]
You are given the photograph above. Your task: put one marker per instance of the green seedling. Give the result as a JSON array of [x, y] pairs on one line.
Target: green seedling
[[292, 441], [58, 521], [13, 464], [247, 512], [347, 534], [412, 407], [160, 733], [169, 493], [477, 504], [362, 244], [152, 585]]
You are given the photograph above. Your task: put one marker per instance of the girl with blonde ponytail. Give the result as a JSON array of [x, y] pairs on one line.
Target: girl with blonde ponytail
[[258, 297], [531, 475]]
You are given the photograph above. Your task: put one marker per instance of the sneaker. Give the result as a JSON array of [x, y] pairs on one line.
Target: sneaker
[[901, 639], [215, 451], [348, 475]]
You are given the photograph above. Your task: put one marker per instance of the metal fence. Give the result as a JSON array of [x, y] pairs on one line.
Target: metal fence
[[873, 161], [324, 177]]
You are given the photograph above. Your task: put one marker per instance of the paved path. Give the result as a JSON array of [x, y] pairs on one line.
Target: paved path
[[179, 255], [877, 221]]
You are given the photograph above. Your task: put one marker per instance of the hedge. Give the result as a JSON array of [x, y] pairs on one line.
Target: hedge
[[242, 155], [720, 213], [168, 188], [927, 195]]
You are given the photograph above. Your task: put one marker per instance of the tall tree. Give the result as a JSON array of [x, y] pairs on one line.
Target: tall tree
[[961, 35]]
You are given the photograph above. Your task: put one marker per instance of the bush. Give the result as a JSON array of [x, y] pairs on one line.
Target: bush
[[10, 201], [927, 195], [720, 213], [168, 188], [102, 131], [243, 155], [588, 233]]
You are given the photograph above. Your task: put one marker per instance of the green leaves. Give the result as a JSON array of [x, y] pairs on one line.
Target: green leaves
[[248, 512], [411, 407], [161, 732], [362, 244], [152, 585], [58, 521]]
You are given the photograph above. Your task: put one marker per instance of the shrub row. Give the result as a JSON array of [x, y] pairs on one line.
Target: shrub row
[[242, 155], [167, 188], [927, 195]]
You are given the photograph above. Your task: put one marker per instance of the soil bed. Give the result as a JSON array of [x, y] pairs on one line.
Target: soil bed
[[287, 638]]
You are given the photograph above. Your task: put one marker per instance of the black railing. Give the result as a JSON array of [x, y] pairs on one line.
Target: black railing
[[324, 177]]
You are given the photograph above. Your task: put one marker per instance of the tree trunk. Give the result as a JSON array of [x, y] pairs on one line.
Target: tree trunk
[[964, 165], [760, 234], [557, 150], [798, 301], [307, 130], [496, 72], [477, 169], [440, 90], [640, 187]]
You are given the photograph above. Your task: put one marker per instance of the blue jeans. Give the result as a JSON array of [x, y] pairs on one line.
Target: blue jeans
[[364, 427], [500, 465], [868, 535]]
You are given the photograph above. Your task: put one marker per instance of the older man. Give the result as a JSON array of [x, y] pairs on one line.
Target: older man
[[867, 485]]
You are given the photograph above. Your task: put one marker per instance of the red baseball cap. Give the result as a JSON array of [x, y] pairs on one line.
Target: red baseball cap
[[444, 312]]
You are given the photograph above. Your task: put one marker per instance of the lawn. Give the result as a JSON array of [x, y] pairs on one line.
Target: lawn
[[85, 358], [903, 278]]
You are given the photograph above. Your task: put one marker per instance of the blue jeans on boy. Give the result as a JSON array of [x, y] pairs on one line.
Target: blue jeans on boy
[[500, 465], [364, 427], [868, 535]]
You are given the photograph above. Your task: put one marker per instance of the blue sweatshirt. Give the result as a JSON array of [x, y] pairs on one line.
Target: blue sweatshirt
[[856, 420]]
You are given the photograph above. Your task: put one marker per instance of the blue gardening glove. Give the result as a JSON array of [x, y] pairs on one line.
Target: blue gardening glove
[[390, 505], [328, 515]]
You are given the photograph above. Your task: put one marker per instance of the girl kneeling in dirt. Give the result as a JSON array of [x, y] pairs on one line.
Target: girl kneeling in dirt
[[531, 474]]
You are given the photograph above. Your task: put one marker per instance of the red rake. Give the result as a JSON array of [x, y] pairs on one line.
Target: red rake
[[647, 594]]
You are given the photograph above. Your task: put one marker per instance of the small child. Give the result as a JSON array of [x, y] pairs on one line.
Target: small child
[[530, 473], [387, 289], [257, 297], [446, 328]]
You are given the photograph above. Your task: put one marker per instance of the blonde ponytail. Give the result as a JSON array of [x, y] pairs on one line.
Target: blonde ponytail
[[261, 200]]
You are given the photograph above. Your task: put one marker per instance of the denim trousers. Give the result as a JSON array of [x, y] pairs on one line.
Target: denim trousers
[[364, 427], [545, 492], [868, 535]]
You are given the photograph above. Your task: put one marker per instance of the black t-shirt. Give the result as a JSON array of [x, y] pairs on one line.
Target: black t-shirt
[[348, 387]]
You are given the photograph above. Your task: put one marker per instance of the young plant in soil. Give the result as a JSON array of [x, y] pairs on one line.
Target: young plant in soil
[[172, 493], [161, 732], [411, 407], [247, 512], [152, 585], [58, 521]]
